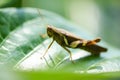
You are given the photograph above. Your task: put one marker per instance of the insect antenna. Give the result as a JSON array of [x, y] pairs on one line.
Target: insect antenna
[[43, 19]]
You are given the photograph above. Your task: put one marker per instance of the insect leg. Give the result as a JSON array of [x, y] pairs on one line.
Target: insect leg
[[74, 44], [48, 48], [92, 42], [69, 53], [43, 35]]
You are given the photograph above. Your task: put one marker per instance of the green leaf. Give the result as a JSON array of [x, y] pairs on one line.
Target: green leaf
[[22, 43]]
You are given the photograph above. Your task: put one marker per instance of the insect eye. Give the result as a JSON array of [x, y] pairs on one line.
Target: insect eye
[[49, 33]]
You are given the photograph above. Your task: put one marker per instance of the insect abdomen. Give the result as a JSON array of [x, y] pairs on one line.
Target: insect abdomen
[[93, 49]]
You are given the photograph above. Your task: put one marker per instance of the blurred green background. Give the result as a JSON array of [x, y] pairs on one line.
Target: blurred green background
[[99, 17]]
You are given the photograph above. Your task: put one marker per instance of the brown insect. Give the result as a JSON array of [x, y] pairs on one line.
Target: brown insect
[[66, 39]]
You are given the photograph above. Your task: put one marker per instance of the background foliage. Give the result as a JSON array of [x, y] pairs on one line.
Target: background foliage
[[22, 38]]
